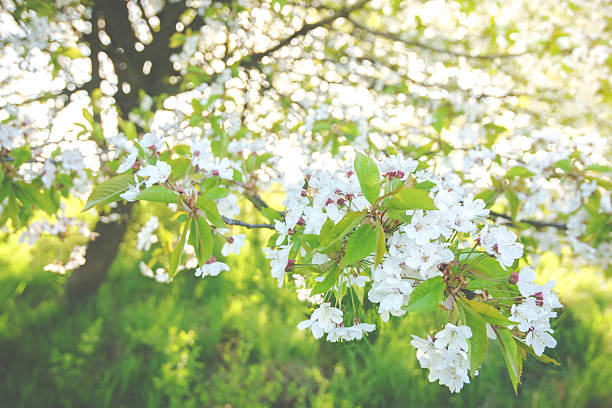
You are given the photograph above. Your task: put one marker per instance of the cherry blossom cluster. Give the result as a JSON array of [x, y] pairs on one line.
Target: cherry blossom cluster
[[446, 356], [438, 248], [533, 314]]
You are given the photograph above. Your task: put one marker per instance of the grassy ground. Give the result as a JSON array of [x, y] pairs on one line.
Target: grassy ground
[[232, 341]]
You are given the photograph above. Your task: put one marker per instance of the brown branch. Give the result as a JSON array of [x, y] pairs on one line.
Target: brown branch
[[414, 43], [253, 59], [239, 223], [534, 223]]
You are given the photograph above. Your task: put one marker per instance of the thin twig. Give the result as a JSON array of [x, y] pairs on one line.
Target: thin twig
[[534, 223], [413, 43], [239, 223]]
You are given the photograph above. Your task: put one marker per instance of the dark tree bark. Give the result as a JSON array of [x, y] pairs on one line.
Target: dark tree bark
[[112, 17]]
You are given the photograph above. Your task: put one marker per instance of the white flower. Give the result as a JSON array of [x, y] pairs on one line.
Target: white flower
[[539, 340], [145, 270], [157, 173], [453, 337], [151, 142], [145, 235], [233, 245], [48, 174], [501, 243], [201, 157], [446, 357], [213, 268], [72, 159], [324, 319], [131, 193], [279, 260], [128, 162]]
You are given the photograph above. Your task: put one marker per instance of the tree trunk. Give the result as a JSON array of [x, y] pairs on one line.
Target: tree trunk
[[101, 252]]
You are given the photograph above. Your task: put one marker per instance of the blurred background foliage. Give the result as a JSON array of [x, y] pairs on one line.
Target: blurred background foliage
[[231, 340]]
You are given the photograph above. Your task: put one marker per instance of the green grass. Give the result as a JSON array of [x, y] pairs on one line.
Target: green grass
[[232, 339]]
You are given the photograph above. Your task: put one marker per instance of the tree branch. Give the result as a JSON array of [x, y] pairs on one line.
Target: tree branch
[[253, 59], [239, 223], [534, 223], [414, 43]]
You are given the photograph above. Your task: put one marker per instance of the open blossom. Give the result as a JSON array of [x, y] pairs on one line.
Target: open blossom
[[350, 333], [157, 173], [323, 320], [213, 268], [151, 142], [233, 245], [279, 262], [48, 173], [501, 243], [533, 314], [446, 357], [453, 337], [145, 235], [128, 162], [72, 159], [201, 157], [131, 193]]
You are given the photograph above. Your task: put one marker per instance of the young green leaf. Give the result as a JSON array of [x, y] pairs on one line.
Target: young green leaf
[[215, 193], [514, 360], [108, 191], [369, 177], [158, 194], [206, 240], [360, 244], [380, 243], [212, 213], [543, 358], [479, 341], [326, 284], [427, 296], [410, 199], [518, 171], [177, 253], [513, 202], [487, 312], [339, 231]]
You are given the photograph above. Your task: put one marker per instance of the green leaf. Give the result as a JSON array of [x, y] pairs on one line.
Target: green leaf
[[109, 191], [380, 243], [543, 358], [439, 118], [599, 168], [360, 244], [21, 155], [518, 171], [484, 267], [369, 177], [42, 199], [487, 312], [158, 194], [564, 165], [427, 296], [212, 213], [513, 202], [216, 193], [270, 214], [478, 341], [339, 231], [177, 253], [410, 199], [514, 360], [326, 284], [425, 185], [206, 240], [488, 196]]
